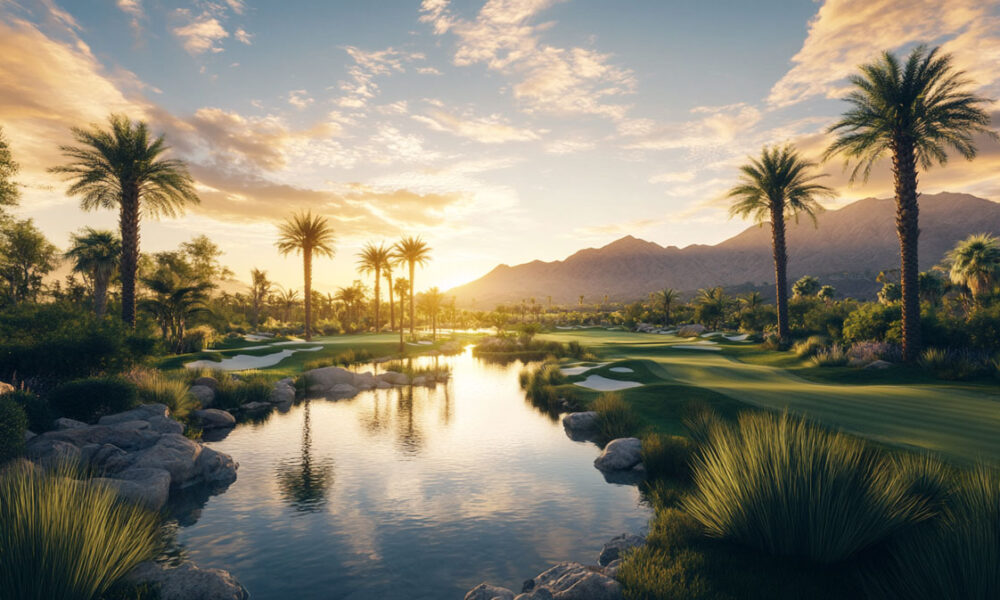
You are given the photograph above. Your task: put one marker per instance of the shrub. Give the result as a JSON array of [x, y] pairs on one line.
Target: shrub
[[539, 386], [13, 424], [90, 399], [877, 322], [62, 538], [198, 338], [788, 488], [955, 364], [37, 410], [615, 418], [774, 343], [871, 351], [156, 387], [834, 356], [233, 392], [809, 346], [666, 456], [983, 328]]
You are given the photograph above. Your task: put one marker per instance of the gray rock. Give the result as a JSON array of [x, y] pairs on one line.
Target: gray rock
[[213, 418], [188, 582], [381, 385], [365, 381], [287, 381], [878, 365], [207, 381], [281, 394], [611, 570], [215, 468], [617, 546], [140, 413], [620, 455], [323, 379], [146, 487], [165, 425], [126, 439], [394, 378], [132, 425], [581, 422], [28, 434], [344, 390], [106, 458], [573, 581], [63, 423], [50, 451], [691, 330], [419, 380], [203, 394], [485, 591], [256, 406], [173, 453], [539, 594]]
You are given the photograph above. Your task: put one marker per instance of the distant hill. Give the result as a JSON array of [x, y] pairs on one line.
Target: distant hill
[[847, 249]]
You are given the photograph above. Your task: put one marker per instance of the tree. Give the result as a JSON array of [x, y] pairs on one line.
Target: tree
[[306, 234], [123, 168], [96, 255], [776, 185], [9, 193], [666, 298], [260, 289], [411, 251], [807, 285], [431, 302], [204, 256], [713, 303], [402, 287], [26, 257], [827, 292], [374, 259], [914, 112], [387, 272], [174, 301], [975, 263], [287, 299], [932, 287]]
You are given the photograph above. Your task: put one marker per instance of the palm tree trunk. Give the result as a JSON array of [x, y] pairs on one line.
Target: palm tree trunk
[[378, 298], [904, 172], [392, 304], [401, 313], [100, 295], [307, 273], [780, 266], [413, 334], [129, 224]]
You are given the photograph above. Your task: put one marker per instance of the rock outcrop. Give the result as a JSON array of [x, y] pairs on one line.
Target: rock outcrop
[[341, 383], [188, 582], [213, 418], [581, 426], [621, 454]]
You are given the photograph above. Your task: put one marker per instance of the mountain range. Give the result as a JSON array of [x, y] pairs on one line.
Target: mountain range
[[847, 248]]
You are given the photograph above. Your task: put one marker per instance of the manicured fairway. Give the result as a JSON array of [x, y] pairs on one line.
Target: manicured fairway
[[962, 423]]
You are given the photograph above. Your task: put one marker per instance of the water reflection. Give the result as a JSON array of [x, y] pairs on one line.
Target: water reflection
[[304, 482]]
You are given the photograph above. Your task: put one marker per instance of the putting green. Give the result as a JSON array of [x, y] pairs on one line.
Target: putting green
[[960, 423]]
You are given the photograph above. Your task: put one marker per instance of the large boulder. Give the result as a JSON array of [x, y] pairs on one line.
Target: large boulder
[[66, 423], [213, 418], [146, 487], [691, 330], [188, 582], [49, 451], [175, 454], [252, 407], [620, 455], [105, 458], [139, 413], [203, 394], [282, 393], [573, 581], [580, 425], [215, 469], [394, 378], [128, 439], [485, 591], [616, 547], [343, 390], [206, 381], [323, 379], [165, 425], [365, 381]]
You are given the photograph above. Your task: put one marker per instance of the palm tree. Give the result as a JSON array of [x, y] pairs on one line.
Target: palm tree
[[975, 263], [374, 259], [774, 186], [95, 255], [260, 289], [826, 293], [713, 304], [431, 302], [306, 234], [287, 299], [387, 271], [915, 112], [402, 287], [411, 251], [123, 168], [807, 285], [174, 302], [666, 298]]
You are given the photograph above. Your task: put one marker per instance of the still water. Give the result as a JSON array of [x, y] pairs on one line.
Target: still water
[[411, 493]]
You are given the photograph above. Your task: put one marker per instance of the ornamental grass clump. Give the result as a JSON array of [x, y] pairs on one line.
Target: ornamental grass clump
[[64, 538], [155, 387], [615, 418], [786, 487]]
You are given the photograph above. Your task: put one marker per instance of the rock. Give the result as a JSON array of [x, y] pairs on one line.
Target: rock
[[173, 453], [611, 570], [49, 451], [617, 546], [485, 591], [691, 330], [620, 455], [287, 381], [281, 394], [203, 394], [256, 406], [365, 381], [573, 581], [381, 385], [323, 379], [165, 425], [140, 413], [206, 381], [188, 582], [419, 380], [878, 365], [28, 434], [63, 423], [394, 378], [145, 487], [213, 418], [105, 458], [856, 363], [580, 422], [127, 439], [539, 594], [6, 388], [215, 468], [131, 425], [343, 390]]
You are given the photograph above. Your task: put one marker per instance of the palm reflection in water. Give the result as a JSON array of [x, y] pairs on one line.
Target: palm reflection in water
[[304, 482]]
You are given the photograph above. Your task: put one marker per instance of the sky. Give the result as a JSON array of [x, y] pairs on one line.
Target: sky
[[500, 131]]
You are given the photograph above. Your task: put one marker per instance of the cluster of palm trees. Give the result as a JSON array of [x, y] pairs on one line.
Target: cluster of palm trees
[[914, 110]]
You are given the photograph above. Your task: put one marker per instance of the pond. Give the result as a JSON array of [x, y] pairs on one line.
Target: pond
[[416, 493]]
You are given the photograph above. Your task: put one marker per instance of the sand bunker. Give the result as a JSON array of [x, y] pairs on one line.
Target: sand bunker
[[242, 362], [256, 338], [621, 370], [603, 384], [712, 334], [579, 369], [696, 347], [738, 338]]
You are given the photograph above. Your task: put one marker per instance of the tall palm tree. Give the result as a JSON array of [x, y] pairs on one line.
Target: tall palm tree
[[123, 168], [666, 298], [914, 112], [174, 302], [975, 263], [776, 185], [260, 289], [306, 234], [411, 251], [95, 255], [402, 287], [373, 259], [387, 272], [431, 302]]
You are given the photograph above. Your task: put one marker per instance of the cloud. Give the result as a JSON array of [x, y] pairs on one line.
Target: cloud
[[360, 86], [201, 34], [712, 126], [569, 146], [299, 98], [429, 71], [242, 36], [673, 177], [847, 33], [133, 8], [627, 227], [547, 78], [487, 130]]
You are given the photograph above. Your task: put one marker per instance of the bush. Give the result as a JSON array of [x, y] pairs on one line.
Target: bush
[[37, 410], [873, 322], [808, 347], [539, 386], [666, 456], [198, 339], [871, 351], [62, 538], [157, 388], [13, 424], [955, 364], [788, 488], [88, 400], [983, 328], [774, 343], [615, 418], [834, 356], [233, 392]]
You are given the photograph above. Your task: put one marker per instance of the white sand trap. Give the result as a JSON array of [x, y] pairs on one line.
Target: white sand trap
[[621, 370], [242, 362], [738, 338], [603, 384], [696, 347], [425, 343], [562, 327], [580, 369], [711, 334], [255, 338]]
